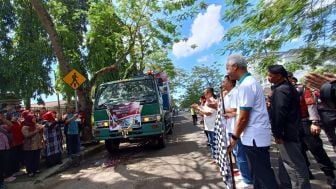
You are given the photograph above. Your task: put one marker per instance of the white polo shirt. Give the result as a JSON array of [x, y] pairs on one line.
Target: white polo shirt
[[251, 97], [209, 120], [230, 101]]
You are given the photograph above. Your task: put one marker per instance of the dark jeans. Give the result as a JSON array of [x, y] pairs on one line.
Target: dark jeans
[[241, 161], [4, 158], [211, 140], [260, 165], [32, 160], [16, 158], [73, 144], [194, 117], [293, 172], [314, 144]]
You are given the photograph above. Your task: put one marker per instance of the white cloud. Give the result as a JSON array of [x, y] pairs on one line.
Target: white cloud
[[322, 4], [206, 30], [203, 59]]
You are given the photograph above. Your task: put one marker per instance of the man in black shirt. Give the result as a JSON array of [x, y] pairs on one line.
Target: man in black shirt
[[285, 121]]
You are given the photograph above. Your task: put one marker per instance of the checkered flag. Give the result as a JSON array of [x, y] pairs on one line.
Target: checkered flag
[[222, 156]]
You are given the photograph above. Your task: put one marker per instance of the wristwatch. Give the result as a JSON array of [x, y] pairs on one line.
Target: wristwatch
[[316, 122], [234, 137]]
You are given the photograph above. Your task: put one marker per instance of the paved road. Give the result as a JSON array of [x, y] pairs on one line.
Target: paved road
[[184, 163]]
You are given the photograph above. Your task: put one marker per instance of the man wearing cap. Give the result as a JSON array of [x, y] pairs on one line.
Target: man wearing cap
[[285, 122], [252, 125]]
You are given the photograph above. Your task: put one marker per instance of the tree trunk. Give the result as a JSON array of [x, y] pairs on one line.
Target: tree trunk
[[85, 105], [83, 92], [27, 103], [48, 24]]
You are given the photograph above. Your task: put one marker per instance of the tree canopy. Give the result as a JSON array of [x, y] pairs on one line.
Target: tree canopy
[[87, 35], [200, 78], [261, 29]]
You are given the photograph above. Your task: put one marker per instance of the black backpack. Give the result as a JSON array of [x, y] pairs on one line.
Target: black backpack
[[328, 94]]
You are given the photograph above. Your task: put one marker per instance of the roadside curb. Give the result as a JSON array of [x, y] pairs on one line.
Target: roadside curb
[[67, 162], [89, 150]]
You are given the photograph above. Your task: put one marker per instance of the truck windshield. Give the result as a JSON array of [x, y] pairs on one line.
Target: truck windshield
[[143, 91]]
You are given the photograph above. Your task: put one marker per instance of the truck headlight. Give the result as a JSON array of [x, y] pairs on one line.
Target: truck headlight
[[151, 118], [105, 123], [100, 124]]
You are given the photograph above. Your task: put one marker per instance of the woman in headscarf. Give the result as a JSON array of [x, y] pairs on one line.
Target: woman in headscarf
[[53, 137], [32, 144]]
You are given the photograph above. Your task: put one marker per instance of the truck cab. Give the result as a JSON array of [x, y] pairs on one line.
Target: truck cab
[[132, 110]]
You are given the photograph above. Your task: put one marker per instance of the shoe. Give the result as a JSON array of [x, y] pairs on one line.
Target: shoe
[[9, 179], [19, 173], [331, 182], [311, 176], [243, 185], [38, 171], [31, 174]]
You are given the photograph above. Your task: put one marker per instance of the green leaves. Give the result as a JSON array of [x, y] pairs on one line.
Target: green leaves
[[261, 29], [200, 78]]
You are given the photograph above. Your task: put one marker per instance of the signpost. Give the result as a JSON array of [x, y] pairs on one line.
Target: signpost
[[74, 79]]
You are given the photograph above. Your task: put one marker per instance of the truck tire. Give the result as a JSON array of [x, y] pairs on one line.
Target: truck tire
[[161, 141], [112, 146]]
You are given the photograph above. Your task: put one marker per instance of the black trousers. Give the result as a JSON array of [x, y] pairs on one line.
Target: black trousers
[[314, 144], [32, 160], [260, 165], [54, 159], [4, 156], [194, 117], [16, 158], [293, 172]]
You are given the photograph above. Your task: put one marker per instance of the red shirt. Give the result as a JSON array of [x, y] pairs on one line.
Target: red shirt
[[307, 99], [17, 136]]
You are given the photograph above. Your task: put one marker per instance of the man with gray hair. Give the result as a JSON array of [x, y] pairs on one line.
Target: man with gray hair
[[252, 126]]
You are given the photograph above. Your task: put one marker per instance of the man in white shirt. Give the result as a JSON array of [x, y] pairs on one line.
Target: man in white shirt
[[230, 104], [252, 126]]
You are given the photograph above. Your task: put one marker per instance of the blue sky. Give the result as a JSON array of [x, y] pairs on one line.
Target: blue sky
[[205, 31]]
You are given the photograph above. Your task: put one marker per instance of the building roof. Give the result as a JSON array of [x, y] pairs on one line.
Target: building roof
[[49, 104]]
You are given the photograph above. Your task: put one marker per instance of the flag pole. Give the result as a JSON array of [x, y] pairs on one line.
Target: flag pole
[[229, 153]]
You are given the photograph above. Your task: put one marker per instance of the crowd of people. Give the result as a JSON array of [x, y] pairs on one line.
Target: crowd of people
[[291, 116], [27, 136]]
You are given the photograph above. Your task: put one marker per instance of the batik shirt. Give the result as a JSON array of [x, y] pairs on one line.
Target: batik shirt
[[53, 137]]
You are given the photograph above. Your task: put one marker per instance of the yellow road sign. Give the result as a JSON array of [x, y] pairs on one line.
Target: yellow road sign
[[74, 79]]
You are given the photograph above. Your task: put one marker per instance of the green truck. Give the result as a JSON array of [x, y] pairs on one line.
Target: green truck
[[133, 110]]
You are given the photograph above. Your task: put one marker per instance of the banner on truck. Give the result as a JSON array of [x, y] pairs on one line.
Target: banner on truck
[[124, 116]]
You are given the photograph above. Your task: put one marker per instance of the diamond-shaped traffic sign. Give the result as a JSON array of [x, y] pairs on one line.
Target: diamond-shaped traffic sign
[[74, 79]]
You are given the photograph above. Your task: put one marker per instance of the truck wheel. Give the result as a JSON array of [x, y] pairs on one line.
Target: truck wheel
[[161, 141], [112, 145]]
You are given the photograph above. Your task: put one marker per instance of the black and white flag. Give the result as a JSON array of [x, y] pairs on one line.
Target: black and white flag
[[221, 145]]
